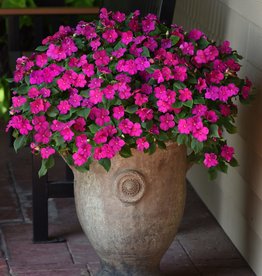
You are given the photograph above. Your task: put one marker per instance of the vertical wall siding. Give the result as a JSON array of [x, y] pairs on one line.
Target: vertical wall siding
[[235, 199]]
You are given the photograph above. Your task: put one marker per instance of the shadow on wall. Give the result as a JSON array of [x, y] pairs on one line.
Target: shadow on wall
[[236, 199]]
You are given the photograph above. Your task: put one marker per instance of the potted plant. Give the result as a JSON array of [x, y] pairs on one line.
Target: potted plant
[[129, 103]]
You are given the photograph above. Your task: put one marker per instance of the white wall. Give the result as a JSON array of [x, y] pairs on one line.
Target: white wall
[[235, 199]]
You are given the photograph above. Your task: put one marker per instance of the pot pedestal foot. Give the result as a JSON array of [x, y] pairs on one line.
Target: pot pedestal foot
[[128, 270]]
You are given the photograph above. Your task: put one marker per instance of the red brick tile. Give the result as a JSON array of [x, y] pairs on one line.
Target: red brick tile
[[49, 270], [27, 253], [10, 214], [3, 268], [17, 232]]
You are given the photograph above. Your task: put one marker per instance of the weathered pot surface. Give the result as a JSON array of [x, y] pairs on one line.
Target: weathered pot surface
[[131, 213]]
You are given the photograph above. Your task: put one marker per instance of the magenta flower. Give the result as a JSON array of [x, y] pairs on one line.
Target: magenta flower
[[142, 144], [79, 124], [37, 106], [211, 116], [185, 95], [67, 134], [166, 121], [20, 123], [46, 152], [180, 73], [126, 126], [136, 130], [184, 126], [95, 96], [110, 35], [140, 99], [187, 48], [101, 58], [210, 160], [126, 37], [200, 133], [41, 60], [195, 34], [116, 144], [199, 110], [18, 101], [64, 107], [118, 112], [227, 152], [145, 114]]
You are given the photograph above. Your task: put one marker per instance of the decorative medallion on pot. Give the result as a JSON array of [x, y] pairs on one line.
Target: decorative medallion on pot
[[129, 102]]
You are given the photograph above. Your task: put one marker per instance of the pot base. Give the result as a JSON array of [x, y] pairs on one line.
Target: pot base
[[128, 270]]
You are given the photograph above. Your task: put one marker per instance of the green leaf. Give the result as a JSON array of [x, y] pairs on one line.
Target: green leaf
[[177, 104], [147, 125], [214, 131], [106, 163], [27, 80], [20, 142], [162, 136], [41, 48], [182, 139], [212, 174], [152, 148], [230, 127], [188, 104], [178, 85], [234, 162], [94, 128], [131, 109], [203, 43], [125, 151], [196, 146], [161, 145], [145, 52], [174, 39], [23, 89], [52, 111], [119, 45], [9, 80], [85, 93], [46, 164], [83, 112], [223, 167], [199, 101]]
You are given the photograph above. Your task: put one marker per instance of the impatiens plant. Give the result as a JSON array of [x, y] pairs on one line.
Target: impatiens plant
[[125, 82]]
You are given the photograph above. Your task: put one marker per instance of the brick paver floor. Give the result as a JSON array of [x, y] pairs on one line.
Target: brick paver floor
[[200, 247]]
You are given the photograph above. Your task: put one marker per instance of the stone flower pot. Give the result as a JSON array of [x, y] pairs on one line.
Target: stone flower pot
[[131, 213]]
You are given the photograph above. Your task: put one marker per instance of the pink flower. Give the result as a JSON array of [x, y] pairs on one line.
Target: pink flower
[[127, 37], [79, 124], [116, 144], [136, 130], [118, 112], [180, 73], [184, 126], [187, 48], [148, 25], [57, 126], [75, 100], [41, 60], [166, 121], [201, 85], [37, 106], [67, 134], [199, 110], [225, 48], [101, 58], [45, 92], [119, 52], [110, 36], [18, 101], [210, 160], [109, 92], [64, 107], [227, 152], [185, 95], [142, 63], [81, 140], [142, 144], [212, 93], [20, 123], [211, 116], [43, 136], [33, 93], [145, 114], [88, 69], [140, 99], [195, 34], [201, 134], [225, 110], [46, 152], [126, 126], [119, 16]]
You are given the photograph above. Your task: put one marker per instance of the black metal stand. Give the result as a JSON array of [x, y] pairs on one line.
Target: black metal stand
[[42, 190]]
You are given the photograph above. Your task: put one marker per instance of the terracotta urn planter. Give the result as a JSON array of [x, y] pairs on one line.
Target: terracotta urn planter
[[131, 213]]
